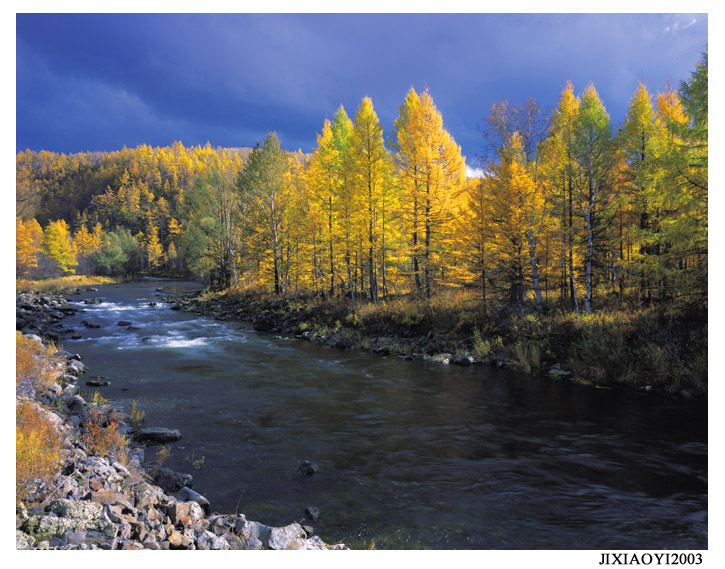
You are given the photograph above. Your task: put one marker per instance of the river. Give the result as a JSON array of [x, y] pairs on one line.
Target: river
[[410, 454]]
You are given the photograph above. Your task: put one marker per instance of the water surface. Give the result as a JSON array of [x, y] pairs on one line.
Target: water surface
[[410, 454]]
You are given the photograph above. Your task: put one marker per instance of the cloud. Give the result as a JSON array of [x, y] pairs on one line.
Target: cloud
[[474, 172], [677, 26]]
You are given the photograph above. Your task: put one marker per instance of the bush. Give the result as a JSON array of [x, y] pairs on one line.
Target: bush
[[32, 362], [37, 448], [102, 437]]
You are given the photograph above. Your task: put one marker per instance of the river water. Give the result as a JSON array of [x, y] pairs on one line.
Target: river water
[[410, 454]]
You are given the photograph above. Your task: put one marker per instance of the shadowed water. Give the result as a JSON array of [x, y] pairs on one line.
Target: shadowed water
[[410, 454]]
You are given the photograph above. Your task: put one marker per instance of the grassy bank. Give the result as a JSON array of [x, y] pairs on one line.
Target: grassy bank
[[659, 348], [61, 283]]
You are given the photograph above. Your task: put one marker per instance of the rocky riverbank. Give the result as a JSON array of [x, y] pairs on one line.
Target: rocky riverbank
[[292, 317], [652, 350], [116, 501]]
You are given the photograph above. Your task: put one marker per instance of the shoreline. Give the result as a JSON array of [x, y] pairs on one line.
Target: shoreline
[[321, 322], [113, 500]]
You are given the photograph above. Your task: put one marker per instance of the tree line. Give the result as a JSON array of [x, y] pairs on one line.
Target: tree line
[[570, 208]]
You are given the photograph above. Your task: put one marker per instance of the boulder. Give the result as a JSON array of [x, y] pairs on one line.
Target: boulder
[[76, 405], [186, 494], [187, 513], [92, 301], [556, 371], [147, 495], [207, 540], [441, 358], [307, 468], [157, 435], [288, 537], [123, 323], [465, 360], [172, 481], [74, 367]]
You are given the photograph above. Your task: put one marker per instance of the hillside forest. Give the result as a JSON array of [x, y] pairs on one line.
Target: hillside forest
[[572, 212]]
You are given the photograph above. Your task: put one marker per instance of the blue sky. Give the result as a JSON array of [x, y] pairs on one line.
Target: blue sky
[[102, 81]]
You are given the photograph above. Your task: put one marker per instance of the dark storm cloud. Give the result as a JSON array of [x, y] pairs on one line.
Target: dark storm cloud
[[92, 81]]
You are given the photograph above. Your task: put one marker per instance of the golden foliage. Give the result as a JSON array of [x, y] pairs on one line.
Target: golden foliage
[[37, 448], [32, 362]]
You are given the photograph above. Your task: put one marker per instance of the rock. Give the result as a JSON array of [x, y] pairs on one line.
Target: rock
[[464, 361], [97, 382], [90, 537], [307, 468], [556, 371], [147, 495], [288, 537], [441, 358], [208, 540], [76, 405], [74, 367], [133, 329], [178, 512], [123, 323], [186, 494], [171, 481], [312, 512], [90, 324], [157, 435], [92, 301], [23, 540]]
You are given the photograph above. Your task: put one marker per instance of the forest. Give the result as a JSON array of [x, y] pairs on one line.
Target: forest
[[573, 214]]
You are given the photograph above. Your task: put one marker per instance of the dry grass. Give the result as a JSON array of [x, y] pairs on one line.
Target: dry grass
[[61, 283], [33, 362], [37, 448]]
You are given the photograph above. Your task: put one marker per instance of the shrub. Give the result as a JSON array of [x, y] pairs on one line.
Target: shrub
[[102, 438], [37, 448], [33, 363], [528, 356]]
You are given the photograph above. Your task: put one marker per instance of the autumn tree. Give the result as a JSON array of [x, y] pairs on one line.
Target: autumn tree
[[261, 187], [432, 173], [563, 164], [28, 237], [57, 245], [369, 167], [520, 189], [593, 152]]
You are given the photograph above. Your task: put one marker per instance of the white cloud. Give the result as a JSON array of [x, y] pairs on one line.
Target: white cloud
[[474, 172], [677, 26]]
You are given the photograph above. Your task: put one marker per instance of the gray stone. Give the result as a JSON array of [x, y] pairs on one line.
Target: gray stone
[[178, 511], [188, 495], [147, 495], [556, 371], [157, 435], [308, 468], [75, 367], [172, 481], [288, 537], [207, 540]]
